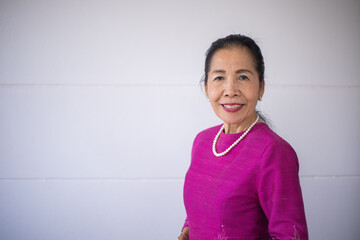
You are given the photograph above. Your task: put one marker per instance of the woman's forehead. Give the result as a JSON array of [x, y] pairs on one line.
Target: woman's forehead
[[233, 58]]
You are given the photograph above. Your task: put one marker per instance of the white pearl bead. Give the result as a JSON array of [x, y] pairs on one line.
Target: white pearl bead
[[235, 143]]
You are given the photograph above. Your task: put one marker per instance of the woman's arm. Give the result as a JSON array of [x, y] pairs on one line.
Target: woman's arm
[[280, 192]]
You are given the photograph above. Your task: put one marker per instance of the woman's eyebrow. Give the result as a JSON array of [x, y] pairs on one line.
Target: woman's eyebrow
[[218, 71], [237, 71], [243, 70]]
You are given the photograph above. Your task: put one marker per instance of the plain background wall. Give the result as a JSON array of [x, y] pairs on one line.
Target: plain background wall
[[100, 102]]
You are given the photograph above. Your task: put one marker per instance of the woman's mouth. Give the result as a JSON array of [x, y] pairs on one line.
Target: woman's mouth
[[232, 107]]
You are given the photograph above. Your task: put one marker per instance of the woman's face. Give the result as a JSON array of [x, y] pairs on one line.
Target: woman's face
[[233, 87]]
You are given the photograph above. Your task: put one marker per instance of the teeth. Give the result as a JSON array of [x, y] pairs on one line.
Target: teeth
[[232, 106]]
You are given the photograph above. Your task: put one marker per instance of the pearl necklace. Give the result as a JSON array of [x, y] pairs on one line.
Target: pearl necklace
[[235, 143]]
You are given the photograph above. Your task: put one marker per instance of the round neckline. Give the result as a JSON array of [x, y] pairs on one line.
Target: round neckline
[[226, 139], [222, 134]]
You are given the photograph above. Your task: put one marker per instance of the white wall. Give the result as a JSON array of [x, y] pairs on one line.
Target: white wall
[[100, 102]]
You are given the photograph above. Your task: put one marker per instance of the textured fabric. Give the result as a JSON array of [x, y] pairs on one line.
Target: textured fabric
[[253, 192]]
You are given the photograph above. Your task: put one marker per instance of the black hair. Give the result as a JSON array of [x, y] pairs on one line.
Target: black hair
[[236, 40]]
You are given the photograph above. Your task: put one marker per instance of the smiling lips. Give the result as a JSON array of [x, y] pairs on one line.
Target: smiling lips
[[232, 107]]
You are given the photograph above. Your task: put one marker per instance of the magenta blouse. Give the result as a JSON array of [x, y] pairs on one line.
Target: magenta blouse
[[253, 192]]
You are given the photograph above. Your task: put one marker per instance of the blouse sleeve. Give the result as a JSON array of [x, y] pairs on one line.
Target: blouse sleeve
[[280, 193], [186, 223]]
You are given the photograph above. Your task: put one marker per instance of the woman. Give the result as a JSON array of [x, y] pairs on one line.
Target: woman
[[243, 181]]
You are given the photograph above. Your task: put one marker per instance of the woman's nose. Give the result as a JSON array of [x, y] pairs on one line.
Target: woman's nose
[[231, 89]]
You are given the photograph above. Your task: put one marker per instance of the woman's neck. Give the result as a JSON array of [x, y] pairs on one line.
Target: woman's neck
[[236, 128]]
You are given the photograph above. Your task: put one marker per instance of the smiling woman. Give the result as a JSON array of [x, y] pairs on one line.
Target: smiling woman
[[243, 181], [233, 87]]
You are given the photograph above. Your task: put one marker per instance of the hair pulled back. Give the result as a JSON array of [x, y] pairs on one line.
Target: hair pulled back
[[236, 40]]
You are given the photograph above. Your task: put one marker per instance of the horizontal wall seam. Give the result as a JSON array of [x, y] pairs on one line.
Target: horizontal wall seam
[[92, 179], [93, 85], [24, 85], [329, 176], [119, 179]]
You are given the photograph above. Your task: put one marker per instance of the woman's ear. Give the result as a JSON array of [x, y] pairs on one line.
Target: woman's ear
[[262, 88], [206, 90]]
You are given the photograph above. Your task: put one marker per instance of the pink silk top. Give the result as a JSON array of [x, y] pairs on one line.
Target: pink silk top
[[252, 192]]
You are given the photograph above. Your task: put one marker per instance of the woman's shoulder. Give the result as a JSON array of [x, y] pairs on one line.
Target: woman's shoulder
[[206, 136], [208, 132], [275, 148], [266, 135], [271, 146]]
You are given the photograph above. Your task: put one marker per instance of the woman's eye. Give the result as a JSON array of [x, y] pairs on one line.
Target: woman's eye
[[243, 77], [219, 78]]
